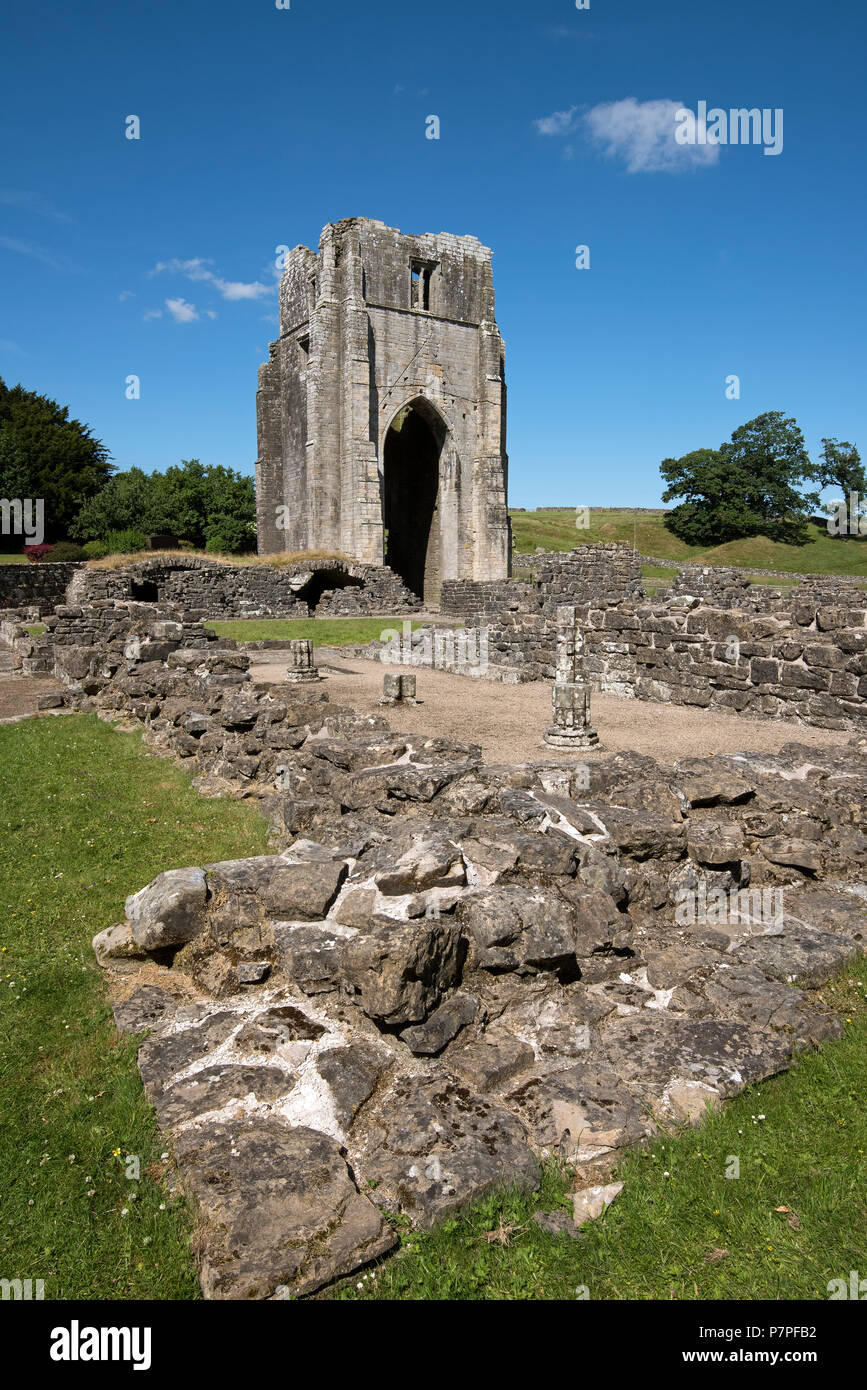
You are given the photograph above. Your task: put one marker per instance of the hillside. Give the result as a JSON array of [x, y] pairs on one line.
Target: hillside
[[554, 529]]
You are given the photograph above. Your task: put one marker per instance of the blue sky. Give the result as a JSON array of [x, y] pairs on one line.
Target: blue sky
[[259, 125]]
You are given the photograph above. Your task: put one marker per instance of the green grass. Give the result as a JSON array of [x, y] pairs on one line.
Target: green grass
[[555, 530], [88, 815], [35, 629], [331, 632], [681, 1229], [13, 557]]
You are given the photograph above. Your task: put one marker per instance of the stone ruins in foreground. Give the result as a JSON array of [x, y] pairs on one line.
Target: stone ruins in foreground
[[382, 408]]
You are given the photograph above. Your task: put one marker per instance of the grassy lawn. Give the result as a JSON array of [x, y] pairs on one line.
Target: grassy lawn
[[555, 530], [87, 816], [794, 1219], [331, 632], [13, 557]]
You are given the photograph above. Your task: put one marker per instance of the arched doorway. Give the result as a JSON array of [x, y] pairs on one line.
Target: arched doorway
[[411, 477]]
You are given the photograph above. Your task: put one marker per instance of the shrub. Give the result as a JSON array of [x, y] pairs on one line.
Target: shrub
[[35, 553], [66, 550], [125, 542], [95, 550]]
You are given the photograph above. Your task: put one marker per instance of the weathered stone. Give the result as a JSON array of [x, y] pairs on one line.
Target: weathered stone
[[444, 1024], [398, 972], [429, 864], [583, 1112], [116, 946], [799, 854], [163, 1056], [213, 1088], [351, 1074], [285, 890], [801, 955], [311, 954], [147, 1007], [715, 842], [170, 910], [280, 1210], [591, 1202], [492, 1061], [431, 1146]]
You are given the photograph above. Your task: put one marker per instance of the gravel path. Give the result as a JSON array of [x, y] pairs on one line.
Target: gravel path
[[509, 720]]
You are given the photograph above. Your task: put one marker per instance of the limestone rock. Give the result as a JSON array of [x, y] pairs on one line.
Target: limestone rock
[[280, 1210], [170, 910]]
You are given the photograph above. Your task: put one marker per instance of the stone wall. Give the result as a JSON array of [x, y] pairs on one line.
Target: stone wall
[[465, 597], [207, 589], [42, 584], [804, 662]]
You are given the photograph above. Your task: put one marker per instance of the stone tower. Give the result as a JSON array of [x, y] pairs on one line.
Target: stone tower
[[382, 410]]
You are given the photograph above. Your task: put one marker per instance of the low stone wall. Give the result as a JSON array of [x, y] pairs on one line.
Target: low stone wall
[[207, 589], [805, 662], [605, 570], [465, 597], [42, 585]]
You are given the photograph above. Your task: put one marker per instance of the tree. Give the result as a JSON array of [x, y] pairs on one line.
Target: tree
[[746, 487], [841, 467], [44, 454], [206, 504], [132, 500]]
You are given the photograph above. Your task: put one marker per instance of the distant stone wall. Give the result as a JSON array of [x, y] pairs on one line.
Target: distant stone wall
[[605, 570], [463, 597], [805, 662], [42, 585], [216, 591]]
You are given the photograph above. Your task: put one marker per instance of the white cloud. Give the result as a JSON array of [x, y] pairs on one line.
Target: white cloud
[[125, 294], [641, 134], [181, 311], [199, 269], [151, 314], [558, 123]]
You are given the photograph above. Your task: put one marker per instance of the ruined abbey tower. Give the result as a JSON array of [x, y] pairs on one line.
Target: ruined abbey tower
[[382, 409]]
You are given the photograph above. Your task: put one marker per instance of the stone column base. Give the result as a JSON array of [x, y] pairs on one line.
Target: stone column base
[[571, 738], [300, 675]]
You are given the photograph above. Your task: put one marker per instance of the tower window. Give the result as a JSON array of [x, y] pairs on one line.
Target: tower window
[[420, 276]]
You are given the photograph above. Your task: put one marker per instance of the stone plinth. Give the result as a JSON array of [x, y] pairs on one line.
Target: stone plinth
[[300, 667], [570, 697]]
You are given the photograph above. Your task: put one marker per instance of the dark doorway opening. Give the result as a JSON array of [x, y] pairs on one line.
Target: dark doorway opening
[[144, 591], [411, 469], [323, 581]]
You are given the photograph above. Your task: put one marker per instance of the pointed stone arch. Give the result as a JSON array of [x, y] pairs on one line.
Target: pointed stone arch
[[416, 450]]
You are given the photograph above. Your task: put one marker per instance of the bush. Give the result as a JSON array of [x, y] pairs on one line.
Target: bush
[[95, 550], [66, 551], [35, 553], [126, 542]]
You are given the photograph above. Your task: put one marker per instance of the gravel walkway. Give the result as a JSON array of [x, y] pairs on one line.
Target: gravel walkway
[[509, 720]]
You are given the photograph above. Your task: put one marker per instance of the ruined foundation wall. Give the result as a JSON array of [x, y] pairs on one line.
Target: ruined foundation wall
[[44, 585], [220, 592], [797, 657]]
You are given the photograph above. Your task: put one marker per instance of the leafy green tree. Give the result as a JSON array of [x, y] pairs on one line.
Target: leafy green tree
[[206, 504], [45, 454], [747, 487], [841, 467], [132, 500]]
